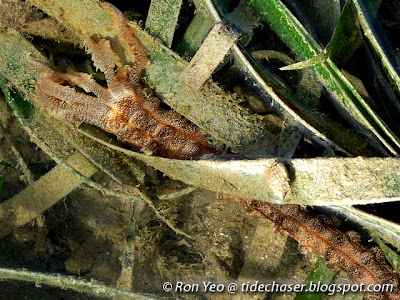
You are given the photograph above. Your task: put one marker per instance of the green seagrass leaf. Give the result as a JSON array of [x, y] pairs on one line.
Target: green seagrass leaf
[[347, 36], [320, 273], [162, 19], [349, 101], [392, 257]]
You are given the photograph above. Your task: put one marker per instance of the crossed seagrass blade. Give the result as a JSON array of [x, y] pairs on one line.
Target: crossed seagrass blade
[[282, 178], [305, 183]]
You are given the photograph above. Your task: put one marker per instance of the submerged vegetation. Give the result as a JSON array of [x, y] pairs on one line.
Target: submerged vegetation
[[287, 93]]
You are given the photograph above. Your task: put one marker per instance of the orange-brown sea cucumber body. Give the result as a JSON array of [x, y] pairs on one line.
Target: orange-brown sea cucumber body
[[122, 108], [341, 250], [138, 120]]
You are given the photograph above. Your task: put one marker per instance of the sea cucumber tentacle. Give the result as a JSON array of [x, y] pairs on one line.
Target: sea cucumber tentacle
[[122, 108], [136, 47], [130, 87], [71, 96], [104, 58], [87, 82], [70, 112], [125, 110]]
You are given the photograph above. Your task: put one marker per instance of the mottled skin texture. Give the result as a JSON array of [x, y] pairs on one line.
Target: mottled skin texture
[[341, 250], [122, 108], [137, 119]]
